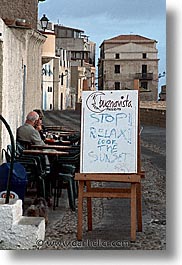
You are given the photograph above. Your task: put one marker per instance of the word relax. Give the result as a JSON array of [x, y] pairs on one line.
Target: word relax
[[112, 134]]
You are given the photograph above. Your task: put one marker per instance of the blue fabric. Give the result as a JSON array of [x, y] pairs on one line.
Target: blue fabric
[[18, 180], [19, 172]]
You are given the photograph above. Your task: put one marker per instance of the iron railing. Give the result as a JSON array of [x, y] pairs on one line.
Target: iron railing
[[10, 173], [144, 76]]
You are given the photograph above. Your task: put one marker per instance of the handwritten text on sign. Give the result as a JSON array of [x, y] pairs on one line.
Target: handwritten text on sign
[[109, 132]]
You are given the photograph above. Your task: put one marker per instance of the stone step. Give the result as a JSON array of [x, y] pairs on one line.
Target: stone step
[[17, 231]]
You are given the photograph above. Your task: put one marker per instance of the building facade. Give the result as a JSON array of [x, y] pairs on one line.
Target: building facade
[[62, 99], [20, 64], [55, 74], [81, 57], [162, 94], [68, 67], [24, 11], [128, 57], [48, 56]]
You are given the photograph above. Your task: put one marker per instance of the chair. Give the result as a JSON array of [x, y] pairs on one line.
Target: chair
[[43, 169], [64, 171], [22, 145], [66, 181], [33, 167], [35, 175], [73, 138]]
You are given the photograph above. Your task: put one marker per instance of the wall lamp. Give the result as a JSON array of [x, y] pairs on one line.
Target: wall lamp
[[62, 75], [161, 75], [44, 22]]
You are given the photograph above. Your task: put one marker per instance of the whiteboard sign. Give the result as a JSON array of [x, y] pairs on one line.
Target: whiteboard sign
[[109, 131]]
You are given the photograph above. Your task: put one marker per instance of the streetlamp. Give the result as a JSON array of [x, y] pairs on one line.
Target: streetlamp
[[44, 22]]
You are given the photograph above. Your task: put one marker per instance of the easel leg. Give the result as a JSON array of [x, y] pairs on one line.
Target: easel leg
[[139, 207], [80, 210], [133, 211], [89, 207]]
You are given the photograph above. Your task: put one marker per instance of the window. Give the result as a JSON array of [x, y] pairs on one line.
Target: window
[[62, 79], [144, 68], [78, 55], [49, 89], [144, 71], [144, 55], [49, 71], [117, 55], [117, 85], [144, 85], [45, 70], [117, 69]]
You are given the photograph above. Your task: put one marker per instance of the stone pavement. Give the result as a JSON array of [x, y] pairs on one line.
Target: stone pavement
[[111, 217]]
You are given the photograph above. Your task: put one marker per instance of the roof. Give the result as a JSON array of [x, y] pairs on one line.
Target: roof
[[129, 37], [65, 27]]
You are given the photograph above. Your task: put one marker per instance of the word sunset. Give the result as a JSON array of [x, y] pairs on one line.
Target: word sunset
[[109, 132]]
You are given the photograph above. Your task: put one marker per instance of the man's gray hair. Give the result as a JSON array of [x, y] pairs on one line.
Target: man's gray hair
[[32, 116]]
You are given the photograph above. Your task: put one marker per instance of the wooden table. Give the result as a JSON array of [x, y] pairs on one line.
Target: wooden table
[[59, 128], [64, 134], [51, 152], [57, 147], [52, 141]]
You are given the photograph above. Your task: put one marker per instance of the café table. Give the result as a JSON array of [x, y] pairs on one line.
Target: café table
[[56, 147], [51, 152], [59, 129], [66, 132], [61, 133], [53, 141]]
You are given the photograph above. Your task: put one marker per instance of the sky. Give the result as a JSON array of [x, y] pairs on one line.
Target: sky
[[173, 254], [105, 19]]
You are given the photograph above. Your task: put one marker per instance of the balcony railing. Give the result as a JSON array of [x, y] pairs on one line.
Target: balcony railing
[[145, 76]]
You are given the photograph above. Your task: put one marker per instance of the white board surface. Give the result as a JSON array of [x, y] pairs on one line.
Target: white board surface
[[109, 131]]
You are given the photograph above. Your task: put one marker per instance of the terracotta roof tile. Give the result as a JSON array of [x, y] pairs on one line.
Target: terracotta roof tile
[[128, 37]]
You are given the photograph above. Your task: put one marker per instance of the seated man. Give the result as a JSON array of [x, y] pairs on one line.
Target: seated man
[[29, 135], [39, 125], [27, 132]]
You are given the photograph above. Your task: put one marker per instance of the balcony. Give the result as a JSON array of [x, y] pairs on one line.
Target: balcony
[[48, 50], [144, 76]]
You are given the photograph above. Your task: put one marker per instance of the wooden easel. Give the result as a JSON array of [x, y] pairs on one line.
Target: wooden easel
[[133, 192]]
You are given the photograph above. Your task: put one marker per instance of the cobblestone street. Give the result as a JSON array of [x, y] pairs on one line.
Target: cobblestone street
[[111, 217]]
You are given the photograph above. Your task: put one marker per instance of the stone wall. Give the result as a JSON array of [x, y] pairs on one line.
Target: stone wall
[[17, 231], [153, 113], [20, 76], [20, 9]]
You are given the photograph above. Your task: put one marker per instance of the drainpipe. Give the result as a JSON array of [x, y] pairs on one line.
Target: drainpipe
[[12, 159], [24, 89]]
